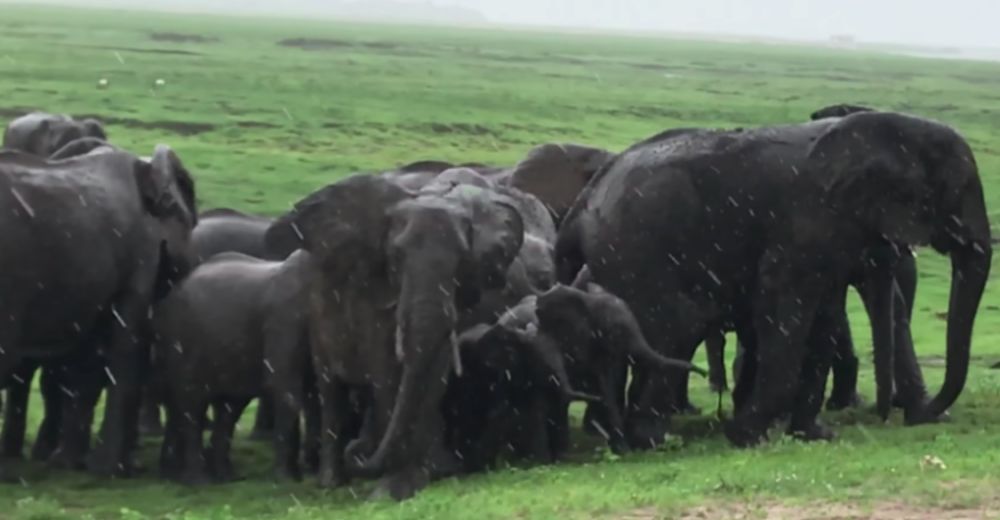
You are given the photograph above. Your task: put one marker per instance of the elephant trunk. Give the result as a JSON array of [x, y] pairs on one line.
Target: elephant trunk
[[640, 352], [426, 347], [970, 268], [551, 358]]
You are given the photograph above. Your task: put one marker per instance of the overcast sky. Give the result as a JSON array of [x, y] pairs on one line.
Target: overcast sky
[[965, 23], [934, 22]]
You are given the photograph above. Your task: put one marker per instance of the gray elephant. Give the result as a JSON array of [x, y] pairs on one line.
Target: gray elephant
[[717, 208], [839, 110], [235, 329], [99, 237], [42, 134], [395, 272], [557, 172]]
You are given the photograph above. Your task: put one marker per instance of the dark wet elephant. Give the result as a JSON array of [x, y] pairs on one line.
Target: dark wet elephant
[[99, 237], [396, 270], [557, 172], [235, 329], [716, 210], [42, 134]]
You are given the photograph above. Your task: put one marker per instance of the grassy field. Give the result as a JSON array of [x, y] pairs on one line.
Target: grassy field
[[262, 121]]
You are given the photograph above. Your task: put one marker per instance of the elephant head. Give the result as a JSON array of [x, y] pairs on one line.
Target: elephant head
[[43, 134], [556, 173], [166, 189], [437, 252], [598, 336], [840, 110], [912, 181]]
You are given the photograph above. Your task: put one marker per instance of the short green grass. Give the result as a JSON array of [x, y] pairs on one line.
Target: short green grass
[[261, 125]]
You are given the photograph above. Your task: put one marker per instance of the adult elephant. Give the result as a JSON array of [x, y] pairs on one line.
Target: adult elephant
[[764, 227], [556, 173], [394, 271], [99, 238], [42, 134]]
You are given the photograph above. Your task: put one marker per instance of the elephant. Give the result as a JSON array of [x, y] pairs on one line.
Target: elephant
[[100, 238], [233, 330], [394, 271], [82, 146], [512, 396], [765, 227], [556, 173], [840, 110], [42, 134]]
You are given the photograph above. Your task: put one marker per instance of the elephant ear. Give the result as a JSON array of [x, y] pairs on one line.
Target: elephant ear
[[556, 173], [165, 185], [871, 165], [348, 214], [497, 237], [94, 128]]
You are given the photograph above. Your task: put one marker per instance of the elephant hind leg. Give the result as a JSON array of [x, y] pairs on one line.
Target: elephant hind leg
[[226, 413], [821, 345]]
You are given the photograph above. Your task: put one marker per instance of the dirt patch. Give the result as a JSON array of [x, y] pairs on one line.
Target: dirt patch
[[459, 128], [178, 52], [314, 44], [181, 38], [255, 124], [823, 511], [175, 127]]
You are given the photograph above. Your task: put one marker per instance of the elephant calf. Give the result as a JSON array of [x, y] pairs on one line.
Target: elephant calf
[[234, 329]]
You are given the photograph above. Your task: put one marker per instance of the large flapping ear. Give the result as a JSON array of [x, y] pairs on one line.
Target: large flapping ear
[[349, 212], [866, 157], [557, 172], [165, 185], [497, 236]]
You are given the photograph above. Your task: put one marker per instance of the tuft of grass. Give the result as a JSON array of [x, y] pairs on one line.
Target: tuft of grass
[[262, 124]]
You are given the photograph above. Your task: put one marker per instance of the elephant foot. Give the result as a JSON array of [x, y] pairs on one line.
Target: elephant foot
[[686, 408], [331, 479], [42, 451], [442, 463], [645, 433], [195, 478], [311, 460], [359, 450], [916, 417], [8, 475], [401, 485], [108, 467], [65, 460], [837, 402], [287, 473], [813, 432], [743, 434]]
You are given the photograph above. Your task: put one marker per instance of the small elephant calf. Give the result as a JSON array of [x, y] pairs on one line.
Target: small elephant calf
[[233, 330]]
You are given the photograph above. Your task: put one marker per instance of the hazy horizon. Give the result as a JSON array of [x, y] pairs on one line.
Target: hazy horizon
[[958, 23]]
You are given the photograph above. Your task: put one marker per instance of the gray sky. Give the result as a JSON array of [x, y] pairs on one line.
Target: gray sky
[[928, 22], [964, 23]]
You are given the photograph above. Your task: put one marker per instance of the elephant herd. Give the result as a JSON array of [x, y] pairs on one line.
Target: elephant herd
[[433, 319]]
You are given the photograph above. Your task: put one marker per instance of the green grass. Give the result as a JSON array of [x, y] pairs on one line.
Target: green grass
[[278, 122]]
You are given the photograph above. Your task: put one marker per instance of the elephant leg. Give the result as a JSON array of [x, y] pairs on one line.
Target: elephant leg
[[313, 431], [823, 341], [784, 311], [651, 399], [532, 442], [335, 403], [150, 424], [172, 449], [128, 357], [226, 413], [16, 412], [715, 346], [845, 365], [557, 424], [264, 421], [81, 382], [596, 419], [615, 433], [288, 407], [51, 428], [194, 467]]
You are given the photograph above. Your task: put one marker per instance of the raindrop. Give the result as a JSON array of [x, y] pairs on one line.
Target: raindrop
[[268, 365], [114, 382], [22, 202], [118, 317]]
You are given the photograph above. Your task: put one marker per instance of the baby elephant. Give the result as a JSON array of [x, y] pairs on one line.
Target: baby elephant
[[233, 330]]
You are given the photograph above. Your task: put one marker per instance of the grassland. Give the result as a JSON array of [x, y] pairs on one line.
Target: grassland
[[262, 124]]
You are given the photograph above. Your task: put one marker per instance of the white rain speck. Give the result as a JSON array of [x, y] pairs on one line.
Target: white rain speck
[[287, 114], [120, 59], [268, 365], [114, 382], [297, 232], [22, 202], [118, 317]]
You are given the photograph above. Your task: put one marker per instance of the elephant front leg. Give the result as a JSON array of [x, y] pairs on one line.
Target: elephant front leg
[[845, 365], [715, 346], [81, 382], [335, 402], [16, 411], [226, 413], [287, 432], [127, 360], [821, 344], [784, 312]]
